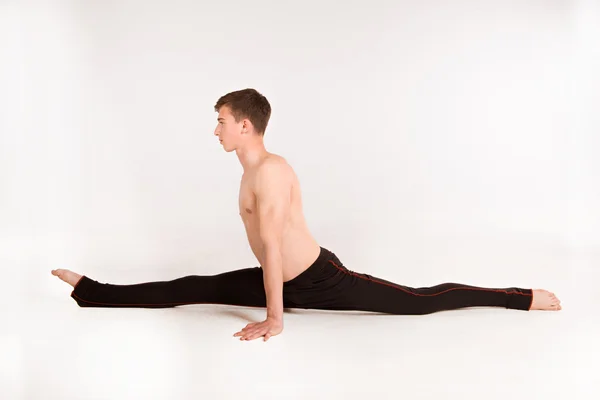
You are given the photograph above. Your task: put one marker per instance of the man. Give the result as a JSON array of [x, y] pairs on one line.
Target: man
[[295, 271]]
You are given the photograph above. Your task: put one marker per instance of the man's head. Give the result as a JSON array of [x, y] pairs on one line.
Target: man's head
[[242, 115]]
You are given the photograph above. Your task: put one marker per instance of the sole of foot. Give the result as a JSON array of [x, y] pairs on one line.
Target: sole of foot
[[545, 300]]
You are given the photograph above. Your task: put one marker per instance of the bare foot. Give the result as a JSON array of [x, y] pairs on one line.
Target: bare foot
[[68, 276], [545, 300]]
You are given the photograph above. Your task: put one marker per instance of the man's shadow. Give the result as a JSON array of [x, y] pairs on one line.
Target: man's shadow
[[243, 313]]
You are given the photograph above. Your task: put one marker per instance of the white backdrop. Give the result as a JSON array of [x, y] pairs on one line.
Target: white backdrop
[[417, 131], [420, 131], [435, 141]]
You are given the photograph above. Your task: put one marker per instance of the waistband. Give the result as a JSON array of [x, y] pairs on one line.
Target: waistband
[[314, 269]]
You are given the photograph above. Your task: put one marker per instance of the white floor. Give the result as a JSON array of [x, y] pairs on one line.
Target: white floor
[[53, 349]]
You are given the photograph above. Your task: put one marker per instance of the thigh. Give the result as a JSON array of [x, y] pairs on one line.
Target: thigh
[[244, 287]]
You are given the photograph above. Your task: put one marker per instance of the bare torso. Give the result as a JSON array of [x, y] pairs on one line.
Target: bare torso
[[299, 249]]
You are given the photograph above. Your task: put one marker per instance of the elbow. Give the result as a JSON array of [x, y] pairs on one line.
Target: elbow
[[271, 242], [272, 250]]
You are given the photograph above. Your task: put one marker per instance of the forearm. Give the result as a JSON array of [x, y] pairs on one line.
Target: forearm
[[273, 281]]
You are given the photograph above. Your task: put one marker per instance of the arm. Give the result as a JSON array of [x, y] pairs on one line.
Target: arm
[[273, 195]]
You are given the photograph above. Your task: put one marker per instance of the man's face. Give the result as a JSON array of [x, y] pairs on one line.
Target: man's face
[[228, 131]]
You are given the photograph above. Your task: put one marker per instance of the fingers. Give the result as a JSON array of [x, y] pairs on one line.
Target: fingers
[[246, 329], [253, 334], [256, 330], [252, 331]]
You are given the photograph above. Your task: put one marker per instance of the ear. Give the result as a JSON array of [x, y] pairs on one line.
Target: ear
[[246, 125]]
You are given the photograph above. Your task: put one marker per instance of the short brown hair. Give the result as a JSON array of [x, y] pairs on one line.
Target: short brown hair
[[247, 103]]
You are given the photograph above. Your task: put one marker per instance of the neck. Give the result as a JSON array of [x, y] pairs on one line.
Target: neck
[[252, 154]]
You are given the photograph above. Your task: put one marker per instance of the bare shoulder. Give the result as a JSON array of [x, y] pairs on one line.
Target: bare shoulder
[[275, 166]]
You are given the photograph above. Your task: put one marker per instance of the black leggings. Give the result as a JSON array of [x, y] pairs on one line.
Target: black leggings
[[326, 285]]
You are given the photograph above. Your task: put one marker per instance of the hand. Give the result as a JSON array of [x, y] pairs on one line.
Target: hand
[[267, 328]]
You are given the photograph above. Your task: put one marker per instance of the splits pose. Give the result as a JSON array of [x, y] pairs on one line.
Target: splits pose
[[295, 271]]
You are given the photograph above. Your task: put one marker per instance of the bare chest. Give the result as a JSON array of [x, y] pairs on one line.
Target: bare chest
[[247, 200]]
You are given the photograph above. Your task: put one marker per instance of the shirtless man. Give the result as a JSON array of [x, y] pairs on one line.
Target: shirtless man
[[295, 271]]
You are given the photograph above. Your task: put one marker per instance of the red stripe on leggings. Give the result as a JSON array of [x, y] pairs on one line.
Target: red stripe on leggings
[[396, 286]]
